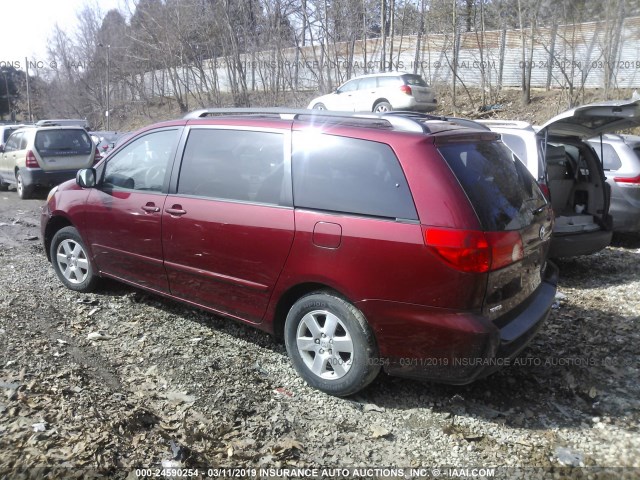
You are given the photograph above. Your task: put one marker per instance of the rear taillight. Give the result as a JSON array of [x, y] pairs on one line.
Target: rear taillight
[[97, 157], [475, 251], [506, 248], [628, 182], [32, 161], [406, 89]]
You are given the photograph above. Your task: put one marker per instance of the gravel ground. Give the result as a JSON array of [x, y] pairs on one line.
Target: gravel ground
[[104, 383]]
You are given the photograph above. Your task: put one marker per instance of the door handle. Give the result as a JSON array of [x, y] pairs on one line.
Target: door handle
[[175, 210], [150, 207]]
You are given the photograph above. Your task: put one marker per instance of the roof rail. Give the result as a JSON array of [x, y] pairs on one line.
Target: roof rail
[[463, 122], [399, 120], [507, 123]]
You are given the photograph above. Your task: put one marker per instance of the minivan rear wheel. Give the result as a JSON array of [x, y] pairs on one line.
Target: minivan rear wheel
[[330, 344], [71, 261], [24, 190]]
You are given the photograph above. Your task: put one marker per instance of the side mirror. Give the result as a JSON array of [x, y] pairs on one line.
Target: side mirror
[[2, 148], [86, 178]]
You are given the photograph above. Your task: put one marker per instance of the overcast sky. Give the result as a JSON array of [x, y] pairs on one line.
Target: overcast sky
[[27, 24]]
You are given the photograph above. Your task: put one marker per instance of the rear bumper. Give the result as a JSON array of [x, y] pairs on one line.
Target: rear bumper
[[412, 104], [626, 216], [572, 245], [46, 178], [456, 348]]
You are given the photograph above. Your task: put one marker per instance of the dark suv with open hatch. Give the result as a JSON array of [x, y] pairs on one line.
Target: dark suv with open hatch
[[365, 241]]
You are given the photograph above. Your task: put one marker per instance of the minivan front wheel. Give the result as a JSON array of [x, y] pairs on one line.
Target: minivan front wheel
[[330, 344], [71, 262], [24, 190]]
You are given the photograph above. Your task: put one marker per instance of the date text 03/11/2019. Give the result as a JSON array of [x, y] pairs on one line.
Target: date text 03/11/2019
[[354, 472]]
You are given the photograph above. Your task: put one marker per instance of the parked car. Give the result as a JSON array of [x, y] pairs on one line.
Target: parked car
[[365, 241], [106, 141], [63, 122], [379, 92], [6, 131], [44, 156], [620, 156], [564, 163]]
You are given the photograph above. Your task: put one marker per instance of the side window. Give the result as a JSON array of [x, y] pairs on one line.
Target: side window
[[389, 81], [235, 165], [23, 142], [516, 145], [349, 175], [143, 163], [349, 86], [367, 83], [13, 142], [608, 156]]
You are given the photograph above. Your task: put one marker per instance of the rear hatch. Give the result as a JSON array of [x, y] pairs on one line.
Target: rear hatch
[[514, 214], [64, 148], [582, 123], [419, 88], [591, 120]]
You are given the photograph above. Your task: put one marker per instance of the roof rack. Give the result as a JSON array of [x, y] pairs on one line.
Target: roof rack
[[463, 122], [398, 120], [507, 123]]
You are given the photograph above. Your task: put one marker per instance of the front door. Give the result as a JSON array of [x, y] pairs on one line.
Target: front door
[[125, 210]]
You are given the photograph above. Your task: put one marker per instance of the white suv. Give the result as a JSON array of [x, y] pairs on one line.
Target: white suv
[[380, 92]]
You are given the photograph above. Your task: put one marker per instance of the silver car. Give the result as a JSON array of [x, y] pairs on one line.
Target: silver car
[[379, 92], [620, 156]]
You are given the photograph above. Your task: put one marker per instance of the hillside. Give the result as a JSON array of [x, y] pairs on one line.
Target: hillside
[[507, 106]]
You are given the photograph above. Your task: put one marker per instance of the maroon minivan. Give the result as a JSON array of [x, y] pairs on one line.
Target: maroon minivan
[[365, 241]]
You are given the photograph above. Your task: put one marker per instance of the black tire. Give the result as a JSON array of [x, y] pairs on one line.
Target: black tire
[[75, 271], [338, 372], [3, 186], [319, 106], [382, 107], [24, 189]]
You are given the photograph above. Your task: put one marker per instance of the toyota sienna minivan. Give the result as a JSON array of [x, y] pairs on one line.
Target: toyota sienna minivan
[[364, 241]]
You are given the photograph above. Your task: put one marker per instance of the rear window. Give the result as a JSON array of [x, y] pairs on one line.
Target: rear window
[[608, 156], [349, 175], [73, 141], [502, 191], [416, 80]]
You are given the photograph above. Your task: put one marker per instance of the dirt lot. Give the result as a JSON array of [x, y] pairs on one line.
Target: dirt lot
[[103, 383]]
